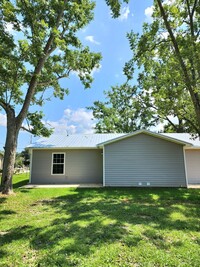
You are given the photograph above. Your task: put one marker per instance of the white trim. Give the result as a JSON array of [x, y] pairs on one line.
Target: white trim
[[186, 173], [31, 164], [52, 164], [104, 181], [193, 148], [63, 148]]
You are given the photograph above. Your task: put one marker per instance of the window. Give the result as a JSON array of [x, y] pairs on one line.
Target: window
[[58, 163]]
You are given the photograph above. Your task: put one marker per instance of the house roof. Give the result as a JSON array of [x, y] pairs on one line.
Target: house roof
[[173, 138], [73, 141], [98, 140], [185, 137]]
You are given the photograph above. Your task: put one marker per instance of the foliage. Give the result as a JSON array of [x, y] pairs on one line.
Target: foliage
[[122, 112], [113, 227], [26, 156], [18, 161], [38, 47], [159, 54], [167, 56], [22, 158], [115, 6], [42, 44]]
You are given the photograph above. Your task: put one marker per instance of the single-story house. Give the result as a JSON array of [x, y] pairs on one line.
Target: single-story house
[[141, 158]]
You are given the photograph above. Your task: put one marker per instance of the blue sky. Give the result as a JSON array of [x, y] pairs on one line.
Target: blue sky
[[108, 36]]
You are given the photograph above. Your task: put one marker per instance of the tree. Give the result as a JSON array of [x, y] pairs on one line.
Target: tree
[[45, 50], [167, 55], [25, 157], [18, 161], [122, 112], [115, 6]]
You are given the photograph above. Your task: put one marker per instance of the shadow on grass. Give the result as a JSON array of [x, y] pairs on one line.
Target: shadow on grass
[[5, 213], [18, 184], [2, 199], [92, 218]]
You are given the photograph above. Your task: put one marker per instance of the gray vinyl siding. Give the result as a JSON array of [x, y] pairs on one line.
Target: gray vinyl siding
[[144, 159], [81, 166]]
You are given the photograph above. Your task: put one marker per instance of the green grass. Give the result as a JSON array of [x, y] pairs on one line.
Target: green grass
[[99, 227]]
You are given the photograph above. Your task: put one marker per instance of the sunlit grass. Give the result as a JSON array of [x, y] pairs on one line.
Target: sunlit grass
[[115, 227]]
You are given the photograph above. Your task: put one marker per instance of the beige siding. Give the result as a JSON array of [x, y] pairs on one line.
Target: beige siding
[[193, 166], [81, 166], [144, 160]]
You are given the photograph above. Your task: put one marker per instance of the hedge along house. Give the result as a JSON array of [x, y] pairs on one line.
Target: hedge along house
[[142, 158]]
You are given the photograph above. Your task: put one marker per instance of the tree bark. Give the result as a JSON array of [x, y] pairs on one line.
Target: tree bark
[[9, 154]]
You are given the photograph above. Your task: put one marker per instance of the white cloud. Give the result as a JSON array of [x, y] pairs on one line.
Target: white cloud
[[9, 27], [149, 10], [164, 35], [94, 70], [91, 39], [3, 120], [148, 13], [160, 127], [124, 13], [169, 2], [74, 121]]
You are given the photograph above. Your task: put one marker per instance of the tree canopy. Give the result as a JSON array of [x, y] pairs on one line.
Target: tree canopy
[[38, 47], [167, 56], [41, 48]]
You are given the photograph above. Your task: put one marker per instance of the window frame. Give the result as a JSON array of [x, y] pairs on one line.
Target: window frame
[[52, 163]]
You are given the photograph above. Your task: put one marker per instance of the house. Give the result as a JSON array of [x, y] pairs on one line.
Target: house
[[142, 158]]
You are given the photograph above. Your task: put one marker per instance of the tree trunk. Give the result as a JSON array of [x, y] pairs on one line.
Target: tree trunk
[[9, 154], [186, 77]]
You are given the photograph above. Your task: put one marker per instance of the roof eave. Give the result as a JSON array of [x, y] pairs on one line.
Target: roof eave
[[61, 148]]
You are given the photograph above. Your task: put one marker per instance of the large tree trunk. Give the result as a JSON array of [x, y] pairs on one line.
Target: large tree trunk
[[9, 154]]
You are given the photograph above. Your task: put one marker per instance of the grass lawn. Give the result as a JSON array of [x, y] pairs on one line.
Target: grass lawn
[[99, 227]]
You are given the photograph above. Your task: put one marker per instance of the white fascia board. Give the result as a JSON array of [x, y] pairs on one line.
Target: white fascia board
[[192, 148], [62, 148]]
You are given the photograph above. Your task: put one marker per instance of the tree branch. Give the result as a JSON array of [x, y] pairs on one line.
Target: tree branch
[[194, 95], [3, 104], [25, 129], [37, 71], [162, 41], [31, 22], [56, 79], [191, 123], [194, 7]]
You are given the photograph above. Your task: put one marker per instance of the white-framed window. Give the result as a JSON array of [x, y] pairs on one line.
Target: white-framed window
[[58, 163]]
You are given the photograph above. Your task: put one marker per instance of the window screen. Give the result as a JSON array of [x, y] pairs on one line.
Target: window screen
[[58, 163]]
